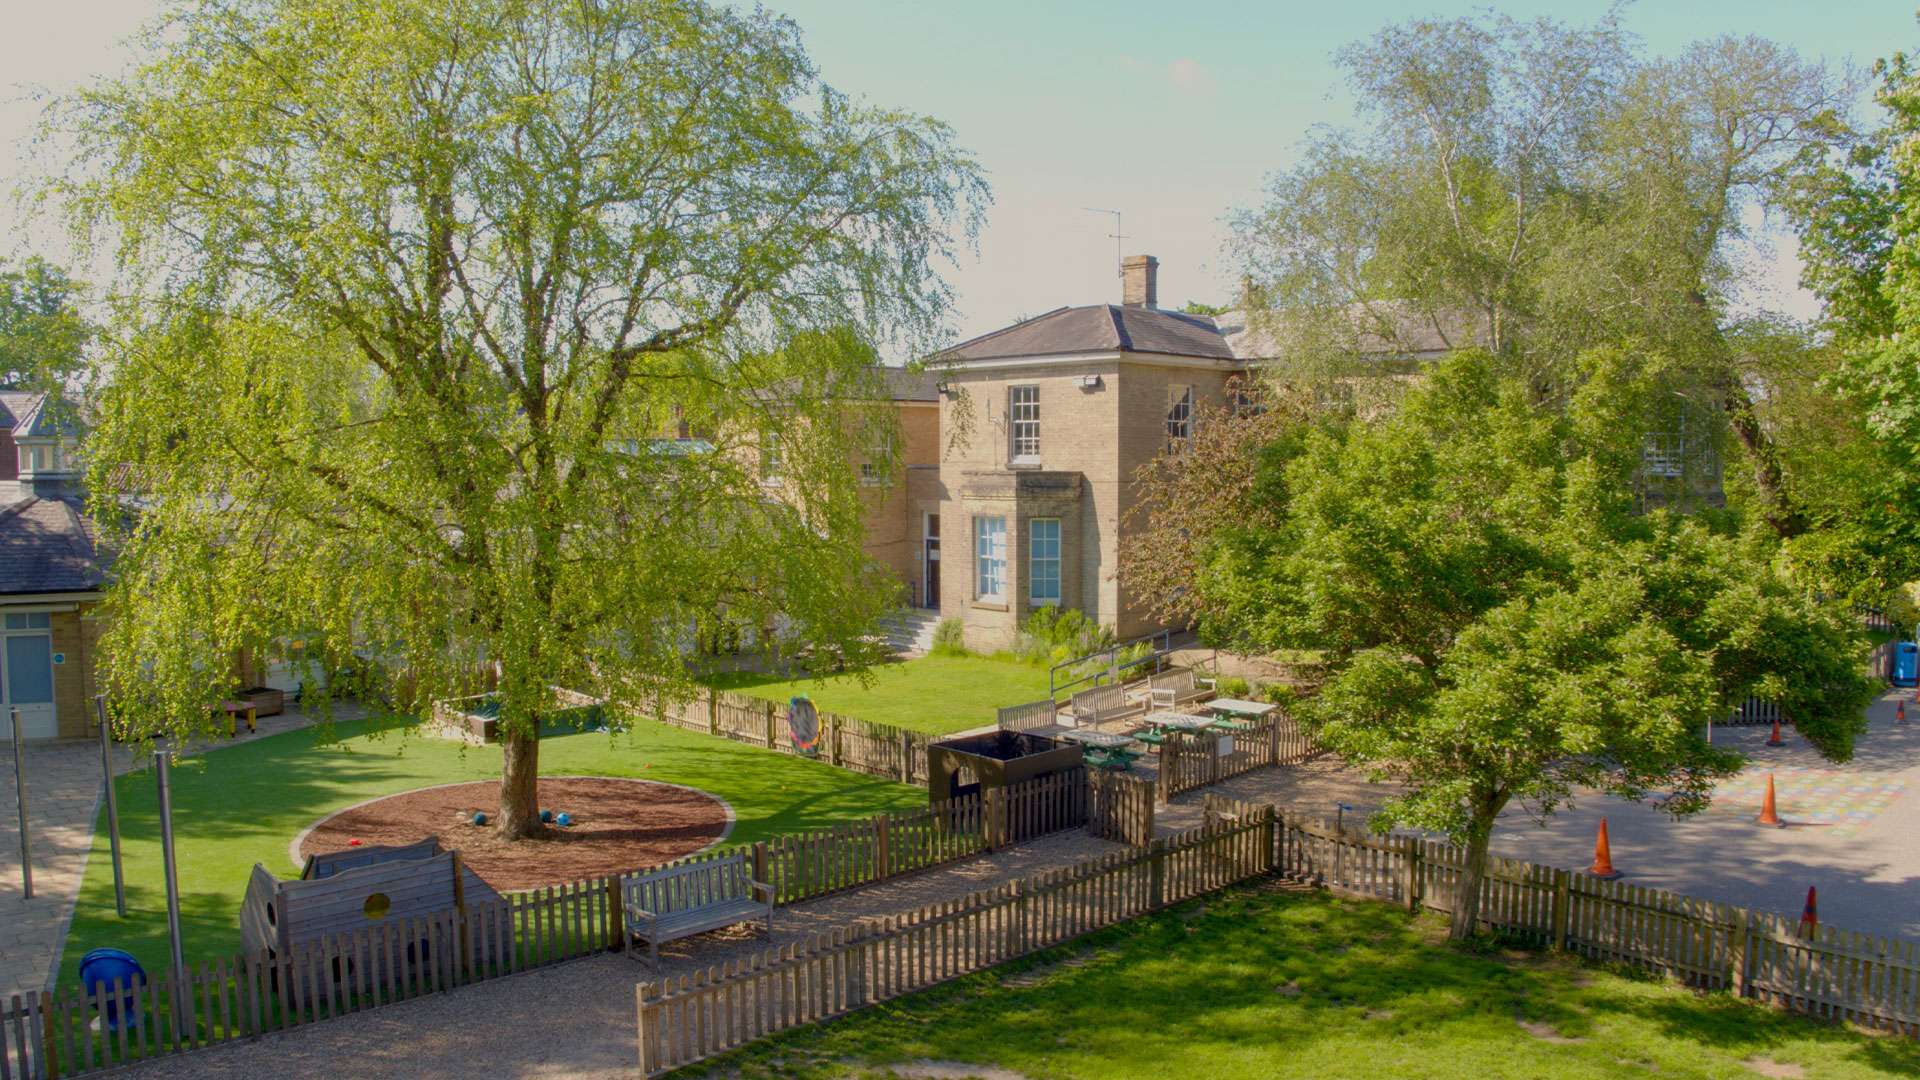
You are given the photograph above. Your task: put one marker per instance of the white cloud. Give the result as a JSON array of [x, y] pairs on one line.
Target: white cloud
[[1185, 75]]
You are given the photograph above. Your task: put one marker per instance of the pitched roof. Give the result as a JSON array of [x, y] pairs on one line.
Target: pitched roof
[[904, 385], [48, 545], [1099, 328]]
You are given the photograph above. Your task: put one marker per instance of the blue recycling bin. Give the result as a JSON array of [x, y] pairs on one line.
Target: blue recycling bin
[[98, 970], [1906, 664]]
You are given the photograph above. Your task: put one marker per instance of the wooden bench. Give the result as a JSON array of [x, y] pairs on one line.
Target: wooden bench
[[1033, 716], [1103, 703], [681, 901], [1184, 683]]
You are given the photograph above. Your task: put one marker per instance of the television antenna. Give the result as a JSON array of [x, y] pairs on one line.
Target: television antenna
[[1116, 235]]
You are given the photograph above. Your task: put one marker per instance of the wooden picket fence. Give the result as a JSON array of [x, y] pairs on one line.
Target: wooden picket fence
[[1832, 972], [858, 745], [694, 1017], [1120, 807], [242, 997], [1189, 761]]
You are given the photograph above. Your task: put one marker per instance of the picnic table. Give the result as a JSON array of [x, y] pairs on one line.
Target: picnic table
[[1252, 710], [1167, 718], [1103, 748]]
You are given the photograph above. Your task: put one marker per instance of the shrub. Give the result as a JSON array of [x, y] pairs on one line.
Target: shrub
[[1055, 635], [949, 637], [1233, 686]]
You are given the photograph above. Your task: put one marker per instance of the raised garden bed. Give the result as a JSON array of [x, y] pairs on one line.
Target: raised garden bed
[[476, 719]]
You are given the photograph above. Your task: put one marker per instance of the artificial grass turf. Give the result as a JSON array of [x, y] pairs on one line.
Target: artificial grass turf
[[935, 694], [1248, 985], [238, 805]]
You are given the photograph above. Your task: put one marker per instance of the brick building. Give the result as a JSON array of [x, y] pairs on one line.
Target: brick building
[[1048, 421], [50, 575]]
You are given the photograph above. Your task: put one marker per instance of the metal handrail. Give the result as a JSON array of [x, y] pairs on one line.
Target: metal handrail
[[1111, 670]]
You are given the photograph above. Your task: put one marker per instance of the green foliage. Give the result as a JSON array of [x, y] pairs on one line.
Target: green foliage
[[1195, 307], [400, 402], [41, 332], [949, 637], [1054, 635], [1500, 626], [1233, 686]]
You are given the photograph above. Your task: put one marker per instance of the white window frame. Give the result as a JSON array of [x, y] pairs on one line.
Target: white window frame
[[770, 463], [1038, 561], [1179, 416], [1023, 448], [990, 559], [870, 469]]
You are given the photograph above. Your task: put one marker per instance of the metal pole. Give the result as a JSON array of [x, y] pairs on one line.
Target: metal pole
[[20, 784], [113, 804], [161, 759]]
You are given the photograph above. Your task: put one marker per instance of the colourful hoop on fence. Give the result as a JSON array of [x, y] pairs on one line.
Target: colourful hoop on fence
[[803, 724]]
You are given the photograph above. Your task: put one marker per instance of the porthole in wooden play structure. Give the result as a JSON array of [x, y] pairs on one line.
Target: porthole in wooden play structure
[[377, 906], [271, 921]]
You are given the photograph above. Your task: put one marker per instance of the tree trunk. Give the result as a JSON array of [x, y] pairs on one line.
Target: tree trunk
[[520, 781], [1466, 907], [1769, 477]]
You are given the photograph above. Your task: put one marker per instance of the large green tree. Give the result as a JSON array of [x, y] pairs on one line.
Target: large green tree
[[1538, 190], [42, 333], [1500, 627], [411, 286]]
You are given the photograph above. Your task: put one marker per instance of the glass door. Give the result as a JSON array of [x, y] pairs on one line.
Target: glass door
[[27, 678]]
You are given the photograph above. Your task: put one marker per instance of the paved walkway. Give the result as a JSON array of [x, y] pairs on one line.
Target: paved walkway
[[63, 802]]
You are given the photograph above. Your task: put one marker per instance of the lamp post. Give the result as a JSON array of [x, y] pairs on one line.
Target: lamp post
[[20, 786], [113, 804]]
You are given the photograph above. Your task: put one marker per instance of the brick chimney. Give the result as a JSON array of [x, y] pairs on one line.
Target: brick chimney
[[1137, 285]]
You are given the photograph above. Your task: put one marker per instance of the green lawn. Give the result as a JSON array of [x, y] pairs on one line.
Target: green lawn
[[239, 805], [935, 694], [1250, 985]]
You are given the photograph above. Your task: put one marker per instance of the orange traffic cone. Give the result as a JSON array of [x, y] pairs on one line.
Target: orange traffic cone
[[1603, 856], [1900, 714], [1810, 914], [1768, 814], [1774, 739]]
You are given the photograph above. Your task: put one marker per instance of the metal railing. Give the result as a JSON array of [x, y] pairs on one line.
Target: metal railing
[[1111, 670]]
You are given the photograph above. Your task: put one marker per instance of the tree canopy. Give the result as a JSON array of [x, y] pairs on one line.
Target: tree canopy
[[1500, 625], [42, 333], [413, 288], [1539, 190]]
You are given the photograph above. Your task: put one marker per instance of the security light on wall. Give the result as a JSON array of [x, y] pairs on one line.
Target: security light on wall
[[1088, 382]]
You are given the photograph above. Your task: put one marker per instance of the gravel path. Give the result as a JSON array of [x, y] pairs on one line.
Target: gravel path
[[576, 1021]]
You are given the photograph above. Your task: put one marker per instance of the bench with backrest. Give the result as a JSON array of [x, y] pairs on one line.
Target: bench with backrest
[[1103, 703], [1179, 686], [1033, 716], [681, 901]]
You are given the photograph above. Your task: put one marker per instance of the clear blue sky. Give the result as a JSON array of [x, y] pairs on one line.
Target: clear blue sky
[[1170, 112]]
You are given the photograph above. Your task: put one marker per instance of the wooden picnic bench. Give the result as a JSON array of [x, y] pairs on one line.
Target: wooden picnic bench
[[1186, 685], [681, 901]]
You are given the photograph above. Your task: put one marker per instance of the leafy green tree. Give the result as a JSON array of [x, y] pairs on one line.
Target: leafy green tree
[[411, 289], [1500, 627], [1539, 190], [42, 333]]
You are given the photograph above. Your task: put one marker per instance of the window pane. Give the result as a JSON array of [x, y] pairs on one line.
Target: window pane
[[39, 620], [16, 622], [1179, 413], [29, 669], [1024, 405], [769, 453], [990, 557], [1043, 579]]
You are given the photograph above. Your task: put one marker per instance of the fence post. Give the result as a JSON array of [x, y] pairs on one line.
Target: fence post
[[713, 711], [1737, 953], [1169, 764], [648, 1065], [771, 745], [1156, 874], [906, 757], [1410, 873], [1562, 909], [617, 914], [992, 815], [882, 847], [760, 868], [833, 744]]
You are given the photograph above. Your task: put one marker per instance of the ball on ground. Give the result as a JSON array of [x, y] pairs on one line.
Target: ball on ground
[[563, 819], [546, 816], [479, 819]]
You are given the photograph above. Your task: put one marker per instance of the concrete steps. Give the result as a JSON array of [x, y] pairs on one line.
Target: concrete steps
[[910, 630]]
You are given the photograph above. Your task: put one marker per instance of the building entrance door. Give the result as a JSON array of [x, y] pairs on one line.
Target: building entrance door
[[27, 682], [930, 564]]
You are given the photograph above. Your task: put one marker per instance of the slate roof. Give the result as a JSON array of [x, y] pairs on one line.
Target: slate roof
[[1100, 328], [48, 545]]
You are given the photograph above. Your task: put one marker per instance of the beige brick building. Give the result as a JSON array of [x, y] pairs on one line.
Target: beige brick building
[[1048, 421]]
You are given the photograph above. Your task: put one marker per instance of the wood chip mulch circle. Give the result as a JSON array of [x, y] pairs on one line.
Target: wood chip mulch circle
[[618, 826]]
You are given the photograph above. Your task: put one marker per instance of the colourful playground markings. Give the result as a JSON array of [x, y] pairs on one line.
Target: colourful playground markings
[[1842, 801]]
